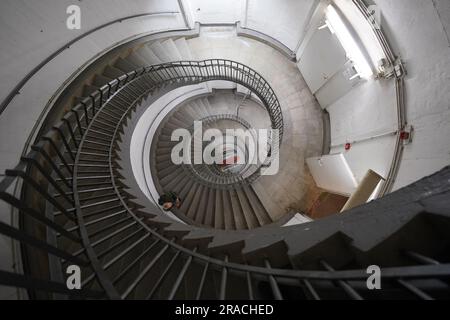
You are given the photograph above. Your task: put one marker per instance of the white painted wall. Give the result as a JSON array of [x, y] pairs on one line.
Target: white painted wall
[[31, 30], [217, 11], [419, 32], [24, 46], [359, 109], [284, 20], [369, 110]]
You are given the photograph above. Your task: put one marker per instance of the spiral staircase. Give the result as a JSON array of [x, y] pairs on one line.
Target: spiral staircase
[[81, 204], [210, 196]]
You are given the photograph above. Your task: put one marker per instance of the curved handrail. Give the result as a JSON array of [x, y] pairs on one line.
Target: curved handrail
[[425, 272], [98, 100], [182, 73], [228, 180], [209, 70]]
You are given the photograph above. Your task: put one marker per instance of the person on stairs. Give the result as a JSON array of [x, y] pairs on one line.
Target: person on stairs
[[169, 200]]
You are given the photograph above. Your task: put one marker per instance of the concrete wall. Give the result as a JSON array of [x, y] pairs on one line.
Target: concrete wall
[[359, 109], [207, 11], [419, 31], [284, 20], [369, 110], [293, 186], [31, 30]]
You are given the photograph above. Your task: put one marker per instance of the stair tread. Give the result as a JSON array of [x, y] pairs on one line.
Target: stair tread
[[172, 50], [183, 48], [149, 55], [159, 50], [124, 65]]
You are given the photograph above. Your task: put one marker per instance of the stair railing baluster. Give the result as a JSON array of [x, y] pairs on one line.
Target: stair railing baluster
[[223, 281], [343, 284], [180, 277]]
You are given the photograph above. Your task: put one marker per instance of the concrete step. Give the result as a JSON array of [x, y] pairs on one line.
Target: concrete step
[[125, 66], [197, 110], [238, 214], [188, 112], [188, 195], [247, 210], [112, 72], [89, 89], [196, 206], [101, 80], [165, 137], [160, 51], [182, 187], [202, 108], [163, 151], [228, 215], [170, 174], [210, 208], [198, 237], [163, 165], [172, 50], [256, 205], [168, 131], [208, 106], [149, 55], [163, 158], [272, 208], [167, 144], [174, 123], [136, 59], [219, 222], [184, 118]]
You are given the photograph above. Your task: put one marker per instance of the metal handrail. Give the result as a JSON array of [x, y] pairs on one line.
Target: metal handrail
[[64, 135], [226, 181], [63, 138]]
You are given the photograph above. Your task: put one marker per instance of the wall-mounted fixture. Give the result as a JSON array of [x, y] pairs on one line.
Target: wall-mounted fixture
[[406, 135], [348, 146]]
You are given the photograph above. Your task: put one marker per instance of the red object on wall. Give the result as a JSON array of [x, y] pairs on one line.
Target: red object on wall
[[404, 135], [230, 161], [348, 146]]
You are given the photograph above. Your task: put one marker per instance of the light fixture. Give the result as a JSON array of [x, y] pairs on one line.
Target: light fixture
[[351, 47]]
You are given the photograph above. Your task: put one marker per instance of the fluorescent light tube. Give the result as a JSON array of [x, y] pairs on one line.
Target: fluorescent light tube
[[349, 44]]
